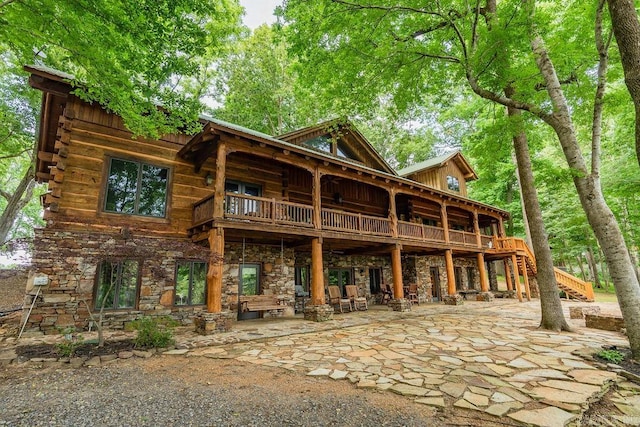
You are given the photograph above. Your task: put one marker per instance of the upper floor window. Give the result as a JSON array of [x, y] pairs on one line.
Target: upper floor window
[[191, 281], [117, 284], [136, 188], [322, 143], [452, 183]]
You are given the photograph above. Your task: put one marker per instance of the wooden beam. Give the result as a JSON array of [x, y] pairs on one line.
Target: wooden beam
[[507, 274], [202, 155], [317, 199], [317, 273], [484, 280], [451, 277], [215, 270], [56, 88], [514, 261], [45, 156], [525, 276], [221, 162]]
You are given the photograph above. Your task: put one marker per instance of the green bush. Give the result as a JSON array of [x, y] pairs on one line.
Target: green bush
[[613, 356], [71, 342], [154, 332]]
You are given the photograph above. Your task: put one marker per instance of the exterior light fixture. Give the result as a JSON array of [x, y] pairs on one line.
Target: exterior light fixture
[[208, 179]]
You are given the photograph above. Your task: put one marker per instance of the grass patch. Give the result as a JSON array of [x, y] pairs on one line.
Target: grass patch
[[604, 296]]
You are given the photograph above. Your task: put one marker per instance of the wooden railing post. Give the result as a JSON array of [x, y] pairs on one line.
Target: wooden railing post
[[476, 228], [273, 210], [221, 161], [393, 215], [445, 222], [317, 200]]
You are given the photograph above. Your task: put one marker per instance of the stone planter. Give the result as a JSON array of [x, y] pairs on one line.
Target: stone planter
[[211, 323], [318, 313], [400, 304], [455, 299]]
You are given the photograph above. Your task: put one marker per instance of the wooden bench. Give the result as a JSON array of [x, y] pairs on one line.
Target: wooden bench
[[261, 303]]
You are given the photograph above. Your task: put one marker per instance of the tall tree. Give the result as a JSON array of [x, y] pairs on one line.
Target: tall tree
[[626, 27], [129, 56], [403, 50]]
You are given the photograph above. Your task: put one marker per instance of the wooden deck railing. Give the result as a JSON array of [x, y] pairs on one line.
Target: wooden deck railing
[[567, 280], [262, 209], [345, 221]]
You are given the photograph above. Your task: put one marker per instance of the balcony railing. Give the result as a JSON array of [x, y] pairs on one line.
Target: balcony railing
[[268, 210]]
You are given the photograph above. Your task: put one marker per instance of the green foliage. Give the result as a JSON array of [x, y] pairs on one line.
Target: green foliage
[[613, 356], [71, 342], [153, 331], [128, 56]]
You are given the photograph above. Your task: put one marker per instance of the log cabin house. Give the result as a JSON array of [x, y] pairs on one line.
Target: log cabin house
[[187, 225]]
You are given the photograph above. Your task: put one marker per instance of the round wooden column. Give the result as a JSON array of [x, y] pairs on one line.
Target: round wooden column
[[215, 269], [514, 260], [451, 278], [396, 268], [484, 281], [317, 273], [507, 275], [527, 291]]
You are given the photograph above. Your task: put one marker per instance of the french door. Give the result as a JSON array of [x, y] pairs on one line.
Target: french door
[[341, 277]]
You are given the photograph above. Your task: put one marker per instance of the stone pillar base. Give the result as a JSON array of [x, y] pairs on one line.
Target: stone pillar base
[[455, 299], [580, 311], [484, 296], [401, 304], [318, 313], [211, 323], [511, 294]]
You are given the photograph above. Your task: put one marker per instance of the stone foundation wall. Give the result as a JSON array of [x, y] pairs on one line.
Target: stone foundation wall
[[70, 260], [604, 322]]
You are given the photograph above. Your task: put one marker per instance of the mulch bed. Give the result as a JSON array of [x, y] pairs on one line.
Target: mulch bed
[[89, 349]]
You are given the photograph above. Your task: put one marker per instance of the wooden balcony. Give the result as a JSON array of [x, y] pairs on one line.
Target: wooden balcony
[[247, 208]]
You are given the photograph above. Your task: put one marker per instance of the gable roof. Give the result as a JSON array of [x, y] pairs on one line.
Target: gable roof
[[347, 132], [436, 162]]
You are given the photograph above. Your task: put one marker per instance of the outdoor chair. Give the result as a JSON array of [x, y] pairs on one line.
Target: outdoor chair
[[335, 298], [357, 301], [387, 294], [413, 293]]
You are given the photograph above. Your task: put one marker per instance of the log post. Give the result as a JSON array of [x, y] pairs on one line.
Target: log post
[[484, 281], [526, 279], [219, 196], [214, 273], [514, 260], [451, 278], [317, 273], [393, 215], [317, 202], [445, 224], [396, 268], [476, 228], [507, 275]]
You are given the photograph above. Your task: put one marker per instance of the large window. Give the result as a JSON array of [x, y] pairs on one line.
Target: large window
[[191, 281], [136, 188], [117, 284], [452, 183]]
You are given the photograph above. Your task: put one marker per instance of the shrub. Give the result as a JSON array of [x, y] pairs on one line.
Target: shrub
[[71, 342], [613, 356], [154, 332]]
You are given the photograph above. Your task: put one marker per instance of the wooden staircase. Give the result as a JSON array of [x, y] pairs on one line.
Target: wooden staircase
[[572, 286]]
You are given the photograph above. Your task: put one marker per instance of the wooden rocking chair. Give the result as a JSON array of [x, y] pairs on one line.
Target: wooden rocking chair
[[413, 293], [357, 301], [335, 298], [386, 294]]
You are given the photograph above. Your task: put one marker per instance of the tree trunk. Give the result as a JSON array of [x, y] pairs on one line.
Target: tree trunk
[[15, 203], [551, 307], [583, 273], [593, 267], [599, 215], [626, 28], [525, 217]]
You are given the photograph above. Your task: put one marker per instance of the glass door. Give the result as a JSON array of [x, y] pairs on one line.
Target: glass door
[[340, 277], [249, 284], [375, 280], [435, 283]]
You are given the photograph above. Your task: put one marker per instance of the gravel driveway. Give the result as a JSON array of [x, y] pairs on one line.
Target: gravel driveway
[[169, 391]]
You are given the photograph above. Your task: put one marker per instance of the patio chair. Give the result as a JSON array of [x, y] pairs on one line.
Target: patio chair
[[335, 298], [387, 294], [413, 293], [357, 301]]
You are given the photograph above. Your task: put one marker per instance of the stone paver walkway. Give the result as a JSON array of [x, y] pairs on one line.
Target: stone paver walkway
[[480, 356], [485, 357]]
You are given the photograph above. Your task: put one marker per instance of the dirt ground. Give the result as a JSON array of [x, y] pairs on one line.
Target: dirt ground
[[264, 386]]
